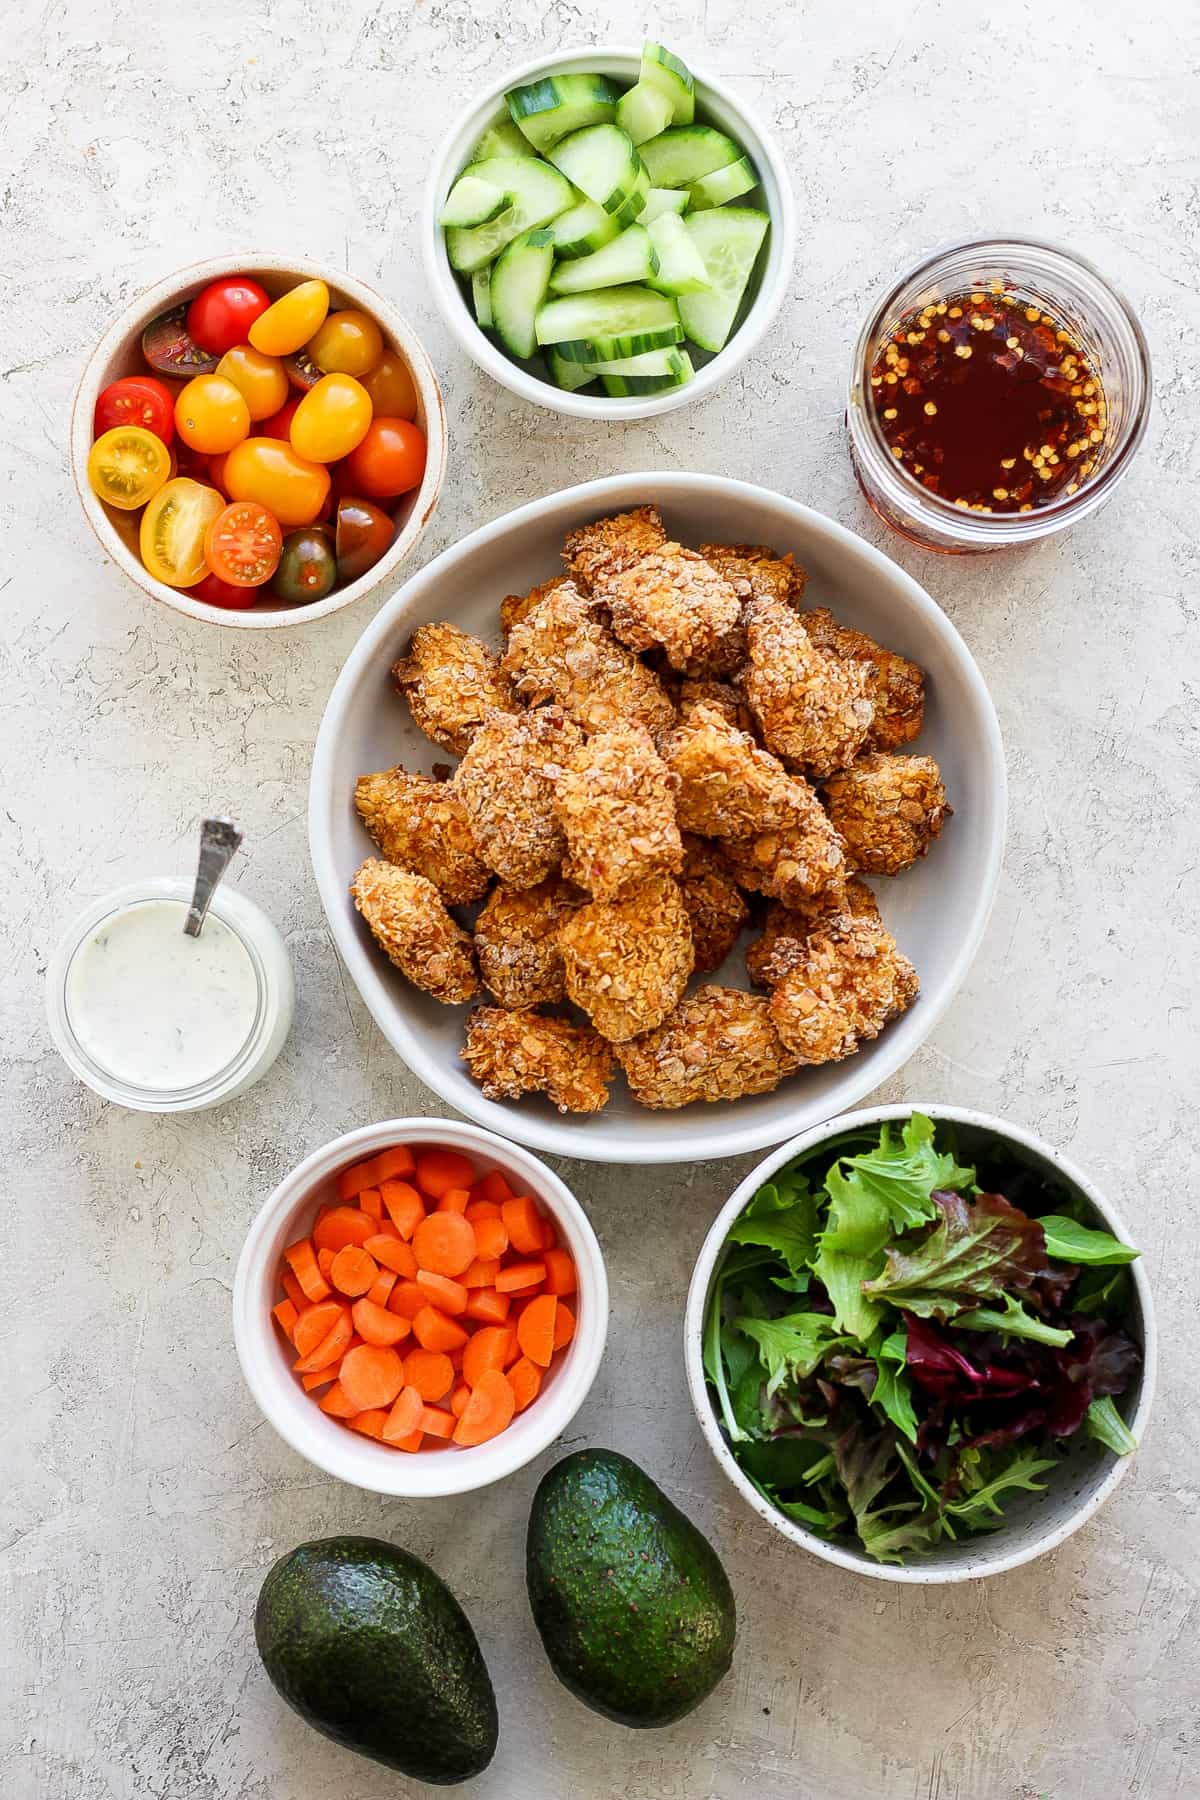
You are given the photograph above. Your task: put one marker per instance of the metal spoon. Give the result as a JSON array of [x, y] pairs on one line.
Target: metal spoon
[[219, 839]]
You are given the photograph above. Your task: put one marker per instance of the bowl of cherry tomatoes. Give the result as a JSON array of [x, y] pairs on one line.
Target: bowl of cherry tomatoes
[[258, 443]]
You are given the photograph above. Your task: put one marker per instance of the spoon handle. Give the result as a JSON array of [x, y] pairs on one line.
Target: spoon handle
[[219, 839]]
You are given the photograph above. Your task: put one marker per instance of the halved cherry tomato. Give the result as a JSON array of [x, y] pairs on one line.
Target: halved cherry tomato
[[391, 387], [265, 470], [307, 569], [302, 371], [242, 544], [331, 419], [279, 425], [364, 532], [260, 380], [211, 415], [348, 343], [291, 320], [390, 459], [222, 314], [168, 348], [127, 465], [172, 531], [224, 593], [137, 400]]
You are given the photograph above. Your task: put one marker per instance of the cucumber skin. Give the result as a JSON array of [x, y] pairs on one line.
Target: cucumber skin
[[617, 349], [523, 247], [535, 121]]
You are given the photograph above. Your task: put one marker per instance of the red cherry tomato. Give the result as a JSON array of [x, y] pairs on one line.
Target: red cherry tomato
[[224, 593], [221, 316], [390, 459], [137, 400], [279, 425]]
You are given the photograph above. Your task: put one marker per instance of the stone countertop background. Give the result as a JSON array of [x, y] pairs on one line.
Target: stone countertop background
[[144, 1497]]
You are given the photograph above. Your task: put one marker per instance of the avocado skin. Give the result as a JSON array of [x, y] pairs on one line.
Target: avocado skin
[[371, 1648], [634, 1608]]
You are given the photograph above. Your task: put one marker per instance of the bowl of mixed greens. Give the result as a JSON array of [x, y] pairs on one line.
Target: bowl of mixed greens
[[921, 1344]]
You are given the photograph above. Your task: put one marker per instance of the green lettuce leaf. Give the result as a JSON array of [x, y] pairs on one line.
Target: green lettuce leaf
[[1015, 1320], [843, 1278], [867, 1463], [781, 1217], [1071, 1242], [893, 1389], [888, 1189], [791, 1346], [1103, 1422], [974, 1253], [980, 1511]]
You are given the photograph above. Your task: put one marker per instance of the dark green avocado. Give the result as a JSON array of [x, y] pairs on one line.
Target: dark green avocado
[[372, 1649], [632, 1603]]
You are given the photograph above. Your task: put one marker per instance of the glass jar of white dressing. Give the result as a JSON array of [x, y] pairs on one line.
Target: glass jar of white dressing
[[161, 1022]]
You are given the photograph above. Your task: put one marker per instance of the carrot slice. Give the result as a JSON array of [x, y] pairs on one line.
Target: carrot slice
[[325, 1262], [370, 1422], [520, 1276], [404, 1206], [438, 1170], [564, 1326], [333, 1345], [429, 1372], [523, 1223], [376, 1325], [393, 1253], [481, 1209], [371, 1201], [302, 1260], [488, 1411], [560, 1272], [380, 1290], [525, 1378], [459, 1398], [315, 1323], [352, 1181], [480, 1274], [336, 1404], [486, 1350], [402, 1420], [488, 1306], [407, 1299], [293, 1290], [455, 1200], [319, 1378], [444, 1243], [434, 1331], [491, 1239], [535, 1330], [448, 1296], [391, 1165], [437, 1422], [340, 1226], [285, 1316], [354, 1270], [494, 1187], [371, 1375]]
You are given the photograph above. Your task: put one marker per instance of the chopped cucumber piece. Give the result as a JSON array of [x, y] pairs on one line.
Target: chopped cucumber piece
[[548, 110], [728, 239], [723, 185], [681, 267], [474, 202], [664, 200], [500, 139], [643, 112], [584, 228], [519, 282], [677, 375], [664, 71], [685, 153], [481, 298], [571, 376], [539, 194], [651, 362], [607, 313], [604, 165], [630, 257]]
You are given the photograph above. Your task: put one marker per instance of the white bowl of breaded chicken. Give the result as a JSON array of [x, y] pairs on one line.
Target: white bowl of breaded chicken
[[658, 820]]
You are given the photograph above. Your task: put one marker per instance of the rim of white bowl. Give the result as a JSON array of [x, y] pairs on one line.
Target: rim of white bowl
[[159, 297], [616, 1144], [766, 304], [990, 1556], [294, 1415]]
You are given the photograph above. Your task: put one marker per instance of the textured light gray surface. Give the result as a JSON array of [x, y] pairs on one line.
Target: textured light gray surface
[[143, 1498]]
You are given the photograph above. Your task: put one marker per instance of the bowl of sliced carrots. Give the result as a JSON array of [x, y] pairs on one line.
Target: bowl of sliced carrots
[[420, 1308]]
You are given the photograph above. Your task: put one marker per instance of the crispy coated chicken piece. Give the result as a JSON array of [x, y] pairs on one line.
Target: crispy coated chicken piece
[[516, 942], [616, 805], [506, 783], [767, 575], [788, 862], [837, 990], [515, 1053], [515, 607], [597, 552], [673, 598], [408, 920], [420, 824], [896, 685], [814, 712], [728, 786], [627, 961], [563, 651], [714, 902], [887, 810], [853, 897], [451, 681], [718, 1044], [693, 692]]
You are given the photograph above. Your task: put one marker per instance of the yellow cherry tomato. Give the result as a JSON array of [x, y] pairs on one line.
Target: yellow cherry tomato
[[348, 343], [290, 322], [128, 464], [269, 471], [260, 380], [391, 387], [173, 530], [331, 419], [211, 415]]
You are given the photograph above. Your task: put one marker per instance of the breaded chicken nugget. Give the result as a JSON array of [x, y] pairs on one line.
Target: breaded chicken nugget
[[714, 902], [693, 692], [767, 575], [421, 825], [515, 607], [718, 1044], [728, 787], [506, 783], [451, 681], [837, 990], [627, 961], [616, 805], [515, 1053], [896, 685], [563, 651], [853, 897], [788, 862], [675, 599], [597, 552], [516, 942], [887, 810], [409, 921], [813, 711]]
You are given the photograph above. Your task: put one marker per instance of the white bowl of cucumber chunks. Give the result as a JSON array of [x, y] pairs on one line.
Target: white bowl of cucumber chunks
[[608, 232]]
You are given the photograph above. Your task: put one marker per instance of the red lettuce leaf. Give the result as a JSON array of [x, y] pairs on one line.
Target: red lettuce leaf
[[977, 1251]]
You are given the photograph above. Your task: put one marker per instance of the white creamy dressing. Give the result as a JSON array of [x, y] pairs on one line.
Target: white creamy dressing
[[158, 1009]]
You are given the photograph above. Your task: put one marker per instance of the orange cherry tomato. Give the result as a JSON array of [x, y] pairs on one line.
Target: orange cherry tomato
[[211, 415], [127, 465], [173, 529], [390, 459], [243, 543], [292, 320], [348, 343], [331, 419], [391, 387], [290, 488], [260, 380], [279, 425]]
